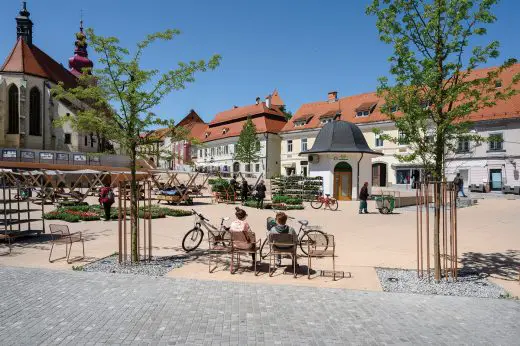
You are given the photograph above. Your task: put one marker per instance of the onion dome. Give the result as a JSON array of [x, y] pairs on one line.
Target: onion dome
[[80, 59]]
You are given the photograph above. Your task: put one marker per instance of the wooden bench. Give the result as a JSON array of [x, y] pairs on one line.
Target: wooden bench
[[60, 234]]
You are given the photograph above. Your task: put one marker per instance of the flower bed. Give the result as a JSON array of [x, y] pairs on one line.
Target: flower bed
[[95, 213]]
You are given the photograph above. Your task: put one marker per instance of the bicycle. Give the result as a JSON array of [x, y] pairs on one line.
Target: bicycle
[[303, 241], [25, 193], [193, 238], [320, 200]]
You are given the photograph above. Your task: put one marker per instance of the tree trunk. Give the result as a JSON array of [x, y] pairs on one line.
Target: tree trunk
[[437, 176], [134, 195]]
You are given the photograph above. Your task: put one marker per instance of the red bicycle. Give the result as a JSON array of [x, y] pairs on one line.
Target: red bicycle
[[326, 200]]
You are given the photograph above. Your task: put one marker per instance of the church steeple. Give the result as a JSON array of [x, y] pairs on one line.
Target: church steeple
[[80, 59], [24, 25]]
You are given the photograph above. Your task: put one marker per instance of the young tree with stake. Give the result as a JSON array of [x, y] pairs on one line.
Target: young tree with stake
[[435, 90], [129, 93]]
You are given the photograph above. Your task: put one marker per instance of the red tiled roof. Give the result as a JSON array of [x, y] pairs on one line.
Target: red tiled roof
[[33, 61], [349, 105], [276, 100], [243, 112], [264, 124]]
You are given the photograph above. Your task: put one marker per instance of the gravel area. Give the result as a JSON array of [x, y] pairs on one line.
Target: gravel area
[[158, 266], [469, 284]]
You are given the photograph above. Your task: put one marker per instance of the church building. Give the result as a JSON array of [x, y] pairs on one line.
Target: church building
[[27, 108]]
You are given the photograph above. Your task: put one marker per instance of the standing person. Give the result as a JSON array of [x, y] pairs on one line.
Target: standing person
[[459, 185], [106, 199], [260, 194], [233, 185], [363, 196], [244, 191]]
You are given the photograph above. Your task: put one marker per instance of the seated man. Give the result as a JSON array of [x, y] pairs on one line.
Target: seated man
[[278, 225]]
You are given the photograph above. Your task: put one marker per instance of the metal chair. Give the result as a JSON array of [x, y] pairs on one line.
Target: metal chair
[[282, 244], [244, 242], [60, 234], [219, 243], [321, 245]]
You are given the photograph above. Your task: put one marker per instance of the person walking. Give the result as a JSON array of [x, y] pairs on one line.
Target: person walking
[[363, 196], [106, 199], [244, 191], [260, 194], [458, 182]]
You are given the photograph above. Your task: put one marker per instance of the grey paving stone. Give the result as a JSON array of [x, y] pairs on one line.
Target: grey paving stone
[[55, 307]]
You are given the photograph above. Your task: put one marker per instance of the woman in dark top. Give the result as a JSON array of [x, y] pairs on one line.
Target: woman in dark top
[[244, 191], [260, 194]]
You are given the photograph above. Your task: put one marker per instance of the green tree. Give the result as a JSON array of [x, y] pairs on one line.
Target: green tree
[[248, 145], [434, 88], [288, 114], [130, 92]]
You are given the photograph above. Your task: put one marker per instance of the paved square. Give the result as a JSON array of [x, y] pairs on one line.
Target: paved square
[[41, 306]]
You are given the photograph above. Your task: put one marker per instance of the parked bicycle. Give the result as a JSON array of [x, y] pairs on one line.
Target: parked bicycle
[[24, 194], [303, 238], [193, 238], [326, 200]]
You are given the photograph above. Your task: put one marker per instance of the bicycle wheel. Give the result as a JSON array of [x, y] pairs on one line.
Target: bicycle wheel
[[305, 240], [316, 204], [192, 239], [333, 204], [264, 250]]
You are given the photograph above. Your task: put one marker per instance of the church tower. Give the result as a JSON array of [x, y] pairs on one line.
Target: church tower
[[80, 59], [24, 25]]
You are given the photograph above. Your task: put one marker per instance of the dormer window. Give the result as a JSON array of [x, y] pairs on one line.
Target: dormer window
[[299, 123], [326, 120], [225, 130], [498, 83], [393, 109], [206, 135], [365, 109]]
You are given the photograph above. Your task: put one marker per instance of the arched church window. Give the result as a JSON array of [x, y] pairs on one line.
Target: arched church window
[[14, 115], [35, 112]]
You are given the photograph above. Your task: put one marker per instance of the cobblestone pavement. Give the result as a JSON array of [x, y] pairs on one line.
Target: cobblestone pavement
[[49, 307]]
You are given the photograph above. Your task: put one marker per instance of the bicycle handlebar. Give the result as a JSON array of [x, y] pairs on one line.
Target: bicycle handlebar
[[199, 215]]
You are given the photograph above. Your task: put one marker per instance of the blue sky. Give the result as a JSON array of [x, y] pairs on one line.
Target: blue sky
[[305, 48]]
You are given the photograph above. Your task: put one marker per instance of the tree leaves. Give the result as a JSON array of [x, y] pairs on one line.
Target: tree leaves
[[248, 146], [433, 64]]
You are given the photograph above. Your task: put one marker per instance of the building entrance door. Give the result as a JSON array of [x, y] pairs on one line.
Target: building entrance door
[[343, 181], [379, 174], [495, 179]]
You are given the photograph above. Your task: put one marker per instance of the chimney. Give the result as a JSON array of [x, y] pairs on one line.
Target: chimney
[[332, 96], [258, 100], [268, 101]]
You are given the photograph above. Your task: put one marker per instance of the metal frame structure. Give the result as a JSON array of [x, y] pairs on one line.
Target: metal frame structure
[[172, 181], [447, 204], [13, 180]]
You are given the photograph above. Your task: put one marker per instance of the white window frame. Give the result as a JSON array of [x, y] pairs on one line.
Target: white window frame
[[379, 141], [494, 145], [303, 144], [289, 146]]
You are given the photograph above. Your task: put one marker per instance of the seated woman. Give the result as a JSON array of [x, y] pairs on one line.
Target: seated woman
[[241, 225], [279, 225]]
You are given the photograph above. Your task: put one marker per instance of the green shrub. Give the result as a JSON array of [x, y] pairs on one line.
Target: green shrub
[[177, 212], [280, 199], [72, 204]]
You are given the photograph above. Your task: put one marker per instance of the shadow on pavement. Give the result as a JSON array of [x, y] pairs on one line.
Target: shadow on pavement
[[502, 265]]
